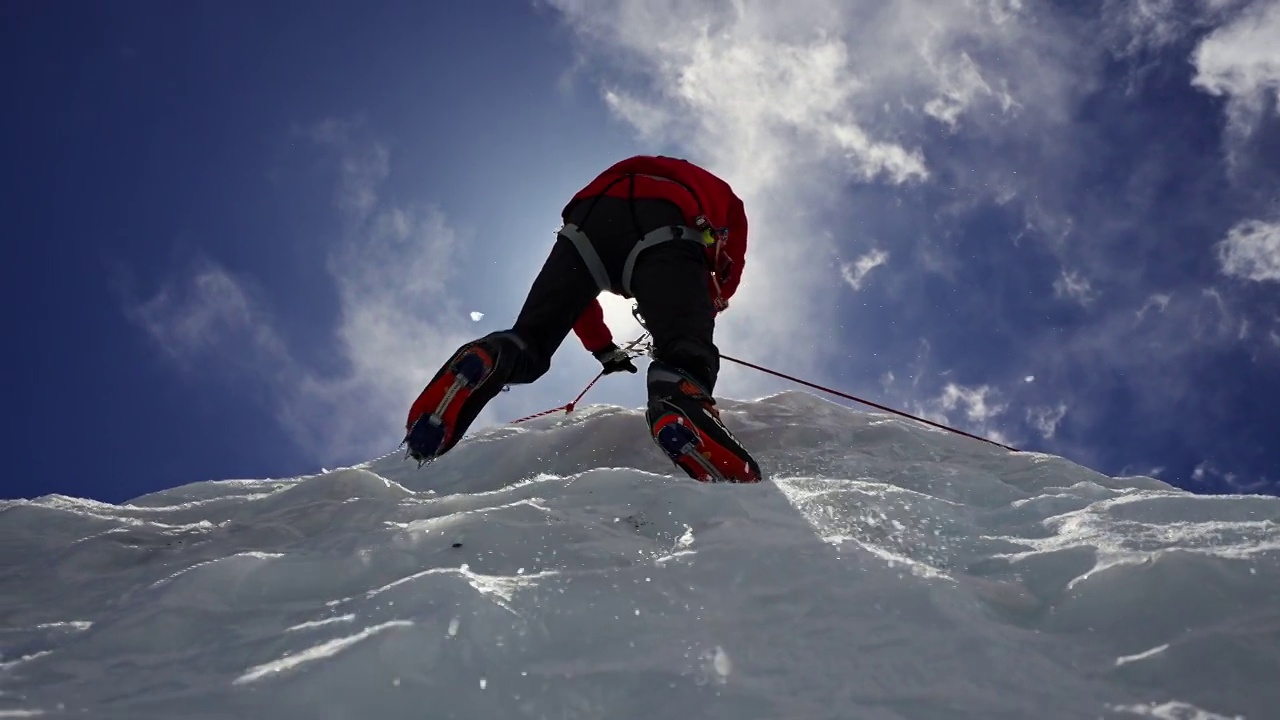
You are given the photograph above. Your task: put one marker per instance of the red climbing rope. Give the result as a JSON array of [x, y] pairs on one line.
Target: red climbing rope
[[864, 402], [567, 407], [633, 348]]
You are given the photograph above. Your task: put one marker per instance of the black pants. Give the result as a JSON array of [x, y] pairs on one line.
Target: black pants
[[669, 283]]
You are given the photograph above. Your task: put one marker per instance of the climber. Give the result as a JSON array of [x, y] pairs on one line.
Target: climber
[[660, 230]]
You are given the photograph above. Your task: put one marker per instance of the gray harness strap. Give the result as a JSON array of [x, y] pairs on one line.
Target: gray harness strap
[[596, 266], [589, 255], [655, 237]]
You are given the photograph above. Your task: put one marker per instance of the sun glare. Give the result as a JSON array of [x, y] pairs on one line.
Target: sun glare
[[617, 315]]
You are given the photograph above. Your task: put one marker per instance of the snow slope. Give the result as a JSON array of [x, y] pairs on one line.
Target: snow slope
[[559, 570]]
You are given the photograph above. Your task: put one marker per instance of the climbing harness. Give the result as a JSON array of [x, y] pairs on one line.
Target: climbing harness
[[702, 231]]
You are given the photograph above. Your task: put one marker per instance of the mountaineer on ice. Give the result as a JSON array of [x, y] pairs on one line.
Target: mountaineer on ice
[[661, 230]]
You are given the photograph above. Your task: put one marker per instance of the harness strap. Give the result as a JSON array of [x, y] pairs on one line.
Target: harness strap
[[589, 255], [596, 266], [651, 238]]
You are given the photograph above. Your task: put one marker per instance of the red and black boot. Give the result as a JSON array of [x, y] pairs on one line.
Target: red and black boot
[[455, 396], [686, 425]]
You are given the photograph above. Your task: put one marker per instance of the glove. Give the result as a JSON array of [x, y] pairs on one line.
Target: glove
[[614, 360]]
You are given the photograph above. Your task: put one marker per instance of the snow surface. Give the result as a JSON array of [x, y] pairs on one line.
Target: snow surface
[[558, 569]]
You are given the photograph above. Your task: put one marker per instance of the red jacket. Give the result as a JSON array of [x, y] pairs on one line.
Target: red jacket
[[697, 192]]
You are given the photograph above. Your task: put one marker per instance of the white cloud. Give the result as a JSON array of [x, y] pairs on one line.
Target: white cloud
[[887, 380], [1141, 23], [1074, 286], [210, 311], [1241, 61], [962, 83], [396, 321], [1208, 471], [1131, 26], [758, 88], [1252, 250], [1237, 57], [1200, 472], [856, 272], [1045, 419], [978, 404], [364, 164], [1212, 320], [1158, 301], [649, 120]]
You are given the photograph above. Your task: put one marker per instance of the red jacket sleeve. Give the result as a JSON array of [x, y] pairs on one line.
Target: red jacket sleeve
[[591, 330]]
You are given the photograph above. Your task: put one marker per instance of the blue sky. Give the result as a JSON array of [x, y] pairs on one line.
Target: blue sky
[[247, 234]]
